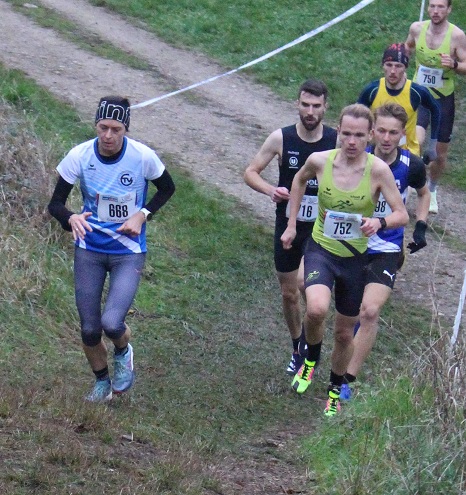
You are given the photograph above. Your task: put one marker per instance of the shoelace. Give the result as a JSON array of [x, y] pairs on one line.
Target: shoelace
[[305, 375], [332, 405]]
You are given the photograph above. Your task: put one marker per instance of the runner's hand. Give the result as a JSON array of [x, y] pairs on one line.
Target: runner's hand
[[288, 237], [431, 152], [132, 226], [280, 194], [79, 224], [419, 237]]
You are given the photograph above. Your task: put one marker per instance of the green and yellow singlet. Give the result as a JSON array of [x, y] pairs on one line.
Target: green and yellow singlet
[[429, 70], [340, 212]]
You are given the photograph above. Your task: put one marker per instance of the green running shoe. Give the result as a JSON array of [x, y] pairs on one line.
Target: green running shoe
[[303, 377], [333, 403]]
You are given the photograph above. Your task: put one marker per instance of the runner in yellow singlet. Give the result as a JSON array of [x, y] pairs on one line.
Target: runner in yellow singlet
[[350, 183], [440, 54]]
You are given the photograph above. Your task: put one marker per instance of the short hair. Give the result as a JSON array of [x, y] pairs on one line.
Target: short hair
[[392, 110], [358, 111], [449, 2], [314, 87]]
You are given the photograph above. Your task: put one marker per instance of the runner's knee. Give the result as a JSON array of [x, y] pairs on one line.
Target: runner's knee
[[113, 325], [316, 312], [91, 337], [369, 313]]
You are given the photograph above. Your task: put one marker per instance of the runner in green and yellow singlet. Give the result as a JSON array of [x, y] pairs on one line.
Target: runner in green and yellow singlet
[[350, 182], [440, 54]]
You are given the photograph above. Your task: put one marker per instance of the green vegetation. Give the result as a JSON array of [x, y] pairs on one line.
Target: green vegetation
[[235, 34], [346, 56], [209, 383]]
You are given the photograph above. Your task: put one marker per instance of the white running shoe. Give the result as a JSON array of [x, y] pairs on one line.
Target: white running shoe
[[433, 208]]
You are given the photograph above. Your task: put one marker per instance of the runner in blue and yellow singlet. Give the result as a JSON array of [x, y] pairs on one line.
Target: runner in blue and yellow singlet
[[350, 182], [395, 87], [385, 248]]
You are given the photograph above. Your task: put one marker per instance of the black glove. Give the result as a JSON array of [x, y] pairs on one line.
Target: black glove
[[419, 237]]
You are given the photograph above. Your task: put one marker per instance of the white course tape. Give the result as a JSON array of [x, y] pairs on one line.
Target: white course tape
[[456, 325], [305, 37], [421, 15]]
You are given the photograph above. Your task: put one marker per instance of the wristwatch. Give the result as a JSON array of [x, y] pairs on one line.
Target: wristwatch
[[455, 64], [383, 223], [147, 213]]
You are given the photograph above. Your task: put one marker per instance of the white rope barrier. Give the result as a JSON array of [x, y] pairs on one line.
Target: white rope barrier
[[456, 325], [305, 37], [421, 15]]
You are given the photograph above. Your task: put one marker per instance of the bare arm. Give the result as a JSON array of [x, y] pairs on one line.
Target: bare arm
[[459, 40], [413, 35], [423, 202], [272, 147]]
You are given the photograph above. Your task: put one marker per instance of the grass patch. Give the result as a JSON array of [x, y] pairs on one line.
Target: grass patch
[[388, 443], [57, 124], [236, 34], [210, 349]]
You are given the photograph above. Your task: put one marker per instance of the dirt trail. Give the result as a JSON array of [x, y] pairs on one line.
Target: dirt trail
[[213, 131]]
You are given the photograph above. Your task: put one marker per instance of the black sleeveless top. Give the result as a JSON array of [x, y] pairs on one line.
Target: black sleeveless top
[[294, 155]]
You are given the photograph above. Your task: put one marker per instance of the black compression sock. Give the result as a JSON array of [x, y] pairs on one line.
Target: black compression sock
[[336, 380], [349, 378], [313, 352], [101, 374], [119, 351]]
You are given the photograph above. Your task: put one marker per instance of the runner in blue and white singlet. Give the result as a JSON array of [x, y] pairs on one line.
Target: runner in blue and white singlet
[[112, 191], [113, 172]]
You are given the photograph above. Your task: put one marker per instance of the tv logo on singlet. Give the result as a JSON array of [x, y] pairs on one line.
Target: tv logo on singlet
[[126, 179]]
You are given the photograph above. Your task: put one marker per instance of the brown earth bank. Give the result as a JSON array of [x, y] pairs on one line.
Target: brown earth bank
[[213, 132]]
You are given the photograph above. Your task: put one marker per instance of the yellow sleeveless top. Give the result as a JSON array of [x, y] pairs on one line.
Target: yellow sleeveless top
[[403, 99], [332, 199], [431, 58]]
